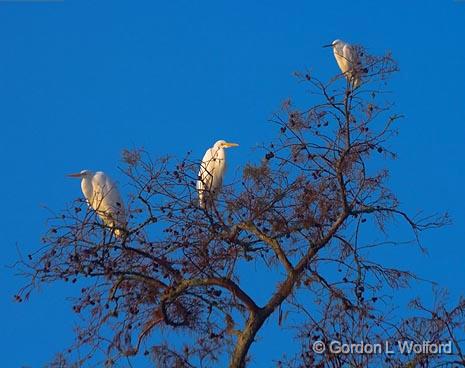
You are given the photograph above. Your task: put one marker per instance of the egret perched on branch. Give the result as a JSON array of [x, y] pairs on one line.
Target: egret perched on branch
[[103, 196], [212, 171], [348, 61]]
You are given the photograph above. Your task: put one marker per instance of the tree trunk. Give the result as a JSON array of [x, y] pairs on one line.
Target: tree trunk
[[245, 339], [256, 320]]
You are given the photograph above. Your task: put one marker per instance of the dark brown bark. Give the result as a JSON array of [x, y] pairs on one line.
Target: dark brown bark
[[257, 318]]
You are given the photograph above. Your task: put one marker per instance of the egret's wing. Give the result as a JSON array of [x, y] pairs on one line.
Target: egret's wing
[[353, 63], [205, 178], [114, 202], [211, 174], [114, 199], [349, 54], [107, 200], [206, 171]]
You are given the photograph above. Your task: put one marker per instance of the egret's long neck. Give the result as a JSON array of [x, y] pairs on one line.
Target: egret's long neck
[[220, 154], [86, 186]]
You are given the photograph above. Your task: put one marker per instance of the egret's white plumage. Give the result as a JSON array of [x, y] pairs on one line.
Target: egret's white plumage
[[103, 196], [212, 171], [348, 61]]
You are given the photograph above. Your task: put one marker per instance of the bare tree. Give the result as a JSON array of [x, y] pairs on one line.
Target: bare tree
[[308, 211]]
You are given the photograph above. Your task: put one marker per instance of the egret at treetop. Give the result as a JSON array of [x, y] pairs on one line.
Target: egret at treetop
[[348, 61], [212, 171], [103, 196]]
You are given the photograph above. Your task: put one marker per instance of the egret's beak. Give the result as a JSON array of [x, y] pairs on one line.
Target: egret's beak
[[228, 144], [330, 45], [76, 175]]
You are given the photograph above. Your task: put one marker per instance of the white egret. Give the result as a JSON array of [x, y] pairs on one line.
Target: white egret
[[212, 171], [103, 196], [348, 61]]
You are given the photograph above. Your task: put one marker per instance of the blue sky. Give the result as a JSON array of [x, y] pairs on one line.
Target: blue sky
[[82, 80]]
